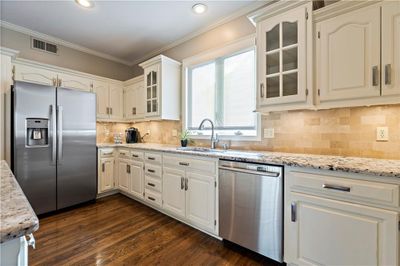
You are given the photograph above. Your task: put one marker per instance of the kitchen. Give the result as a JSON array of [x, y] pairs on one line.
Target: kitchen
[[256, 132]]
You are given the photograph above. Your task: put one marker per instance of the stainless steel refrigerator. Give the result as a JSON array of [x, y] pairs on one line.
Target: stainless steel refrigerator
[[54, 145]]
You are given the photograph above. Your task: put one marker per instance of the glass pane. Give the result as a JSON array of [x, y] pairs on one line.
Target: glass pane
[[154, 92], [148, 79], [149, 106], [202, 93], [289, 33], [289, 58], [289, 84], [272, 39], [239, 91], [148, 93], [272, 63], [154, 105], [273, 87], [154, 77]]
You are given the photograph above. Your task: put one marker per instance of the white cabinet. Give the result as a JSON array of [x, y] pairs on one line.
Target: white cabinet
[[137, 178], [348, 55], [200, 200], [329, 232], [34, 74], [101, 90], [74, 82], [174, 191], [162, 88], [124, 174], [390, 48], [283, 57], [109, 100], [106, 174], [116, 102], [134, 100]]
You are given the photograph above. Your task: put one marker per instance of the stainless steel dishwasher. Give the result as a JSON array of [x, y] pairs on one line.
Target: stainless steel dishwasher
[[251, 206]]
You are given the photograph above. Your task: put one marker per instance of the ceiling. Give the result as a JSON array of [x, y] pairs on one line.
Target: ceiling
[[126, 31]]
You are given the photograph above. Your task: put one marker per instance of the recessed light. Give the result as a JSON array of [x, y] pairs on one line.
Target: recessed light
[[199, 8], [85, 3]]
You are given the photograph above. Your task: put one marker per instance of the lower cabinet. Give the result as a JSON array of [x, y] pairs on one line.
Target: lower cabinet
[[106, 174], [137, 178], [174, 191], [124, 174]]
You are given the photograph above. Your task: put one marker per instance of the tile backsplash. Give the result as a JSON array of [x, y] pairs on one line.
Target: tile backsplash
[[344, 131]]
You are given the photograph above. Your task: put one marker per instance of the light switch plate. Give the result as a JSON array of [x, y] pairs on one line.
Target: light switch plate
[[269, 133], [382, 134], [174, 132]]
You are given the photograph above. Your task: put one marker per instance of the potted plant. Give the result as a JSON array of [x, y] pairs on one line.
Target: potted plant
[[185, 138]]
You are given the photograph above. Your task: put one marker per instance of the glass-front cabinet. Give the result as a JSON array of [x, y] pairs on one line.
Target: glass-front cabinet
[[152, 87], [282, 59]]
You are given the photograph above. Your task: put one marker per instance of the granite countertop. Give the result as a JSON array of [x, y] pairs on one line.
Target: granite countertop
[[370, 166], [17, 217]]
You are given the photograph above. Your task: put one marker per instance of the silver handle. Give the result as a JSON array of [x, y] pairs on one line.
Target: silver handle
[[237, 169], [262, 90], [134, 110], [107, 110], [182, 183], [186, 184], [388, 74], [184, 164], [59, 133], [151, 158], [54, 130], [103, 167], [336, 187], [135, 155], [128, 168], [151, 170], [110, 153], [122, 153], [293, 212], [375, 81], [151, 184]]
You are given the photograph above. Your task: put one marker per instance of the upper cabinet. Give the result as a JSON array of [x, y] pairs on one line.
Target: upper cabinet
[[34, 74], [283, 44], [109, 100], [162, 88], [134, 99], [357, 55], [74, 82]]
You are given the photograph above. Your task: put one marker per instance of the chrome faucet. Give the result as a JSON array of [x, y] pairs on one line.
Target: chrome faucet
[[215, 140]]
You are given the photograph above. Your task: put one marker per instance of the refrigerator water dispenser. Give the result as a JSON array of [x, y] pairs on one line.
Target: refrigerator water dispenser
[[37, 132]]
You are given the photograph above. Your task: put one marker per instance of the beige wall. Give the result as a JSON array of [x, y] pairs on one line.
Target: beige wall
[[67, 57], [345, 132]]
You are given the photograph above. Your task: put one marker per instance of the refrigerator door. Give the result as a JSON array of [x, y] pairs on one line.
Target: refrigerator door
[[34, 149], [76, 147]]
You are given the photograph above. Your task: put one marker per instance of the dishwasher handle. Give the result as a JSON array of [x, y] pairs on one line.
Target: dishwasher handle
[[242, 170]]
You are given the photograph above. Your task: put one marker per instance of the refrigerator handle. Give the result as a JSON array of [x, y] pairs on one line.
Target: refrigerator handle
[[59, 132], [53, 134]]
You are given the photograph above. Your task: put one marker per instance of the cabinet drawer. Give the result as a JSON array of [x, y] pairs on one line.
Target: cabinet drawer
[[153, 197], [153, 183], [107, 152], [153, 157], [347, 188], [137, 155], [122, 153], [152, 170], [190, 163]]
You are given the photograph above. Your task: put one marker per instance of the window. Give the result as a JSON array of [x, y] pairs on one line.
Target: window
[[223, 89]]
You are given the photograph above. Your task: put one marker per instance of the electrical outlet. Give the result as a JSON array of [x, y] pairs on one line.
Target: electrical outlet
[[148, 131], [269, 133], [174, 132], [382, 134]]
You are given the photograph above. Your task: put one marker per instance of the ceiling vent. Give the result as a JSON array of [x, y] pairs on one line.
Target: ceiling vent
[[44, 46]]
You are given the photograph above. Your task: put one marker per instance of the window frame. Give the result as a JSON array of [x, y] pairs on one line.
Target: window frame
[[231, 49]]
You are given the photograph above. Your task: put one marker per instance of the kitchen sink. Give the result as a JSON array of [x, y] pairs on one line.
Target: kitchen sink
[[198, 149], [232, 153]]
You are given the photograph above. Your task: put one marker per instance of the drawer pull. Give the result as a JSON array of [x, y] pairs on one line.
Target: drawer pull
[[151, 184], [184, 164], [151, 158], [151, 198], [151, 170], [108, 153], [122, 153], [135, 155], [336, 187]]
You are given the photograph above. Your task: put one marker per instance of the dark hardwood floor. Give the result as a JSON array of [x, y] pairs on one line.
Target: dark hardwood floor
[[117, 230]]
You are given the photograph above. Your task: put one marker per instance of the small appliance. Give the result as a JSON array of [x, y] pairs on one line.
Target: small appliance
[[132, 135]]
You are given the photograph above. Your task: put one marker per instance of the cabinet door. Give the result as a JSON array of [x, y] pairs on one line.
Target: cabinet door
[[173, 191], [130, 102], [152, 89], [137, 179], [329, 232], [348, 55], [140, 101], [102, 98], [35, 75], [116, 102], [75, 82], [106, 174], [282, 58], [124, 173], [390, 47], [200, 200]]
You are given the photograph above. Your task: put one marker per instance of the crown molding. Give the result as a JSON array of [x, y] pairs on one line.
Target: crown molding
[[49, 38], [8, 51], [244, 11]]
